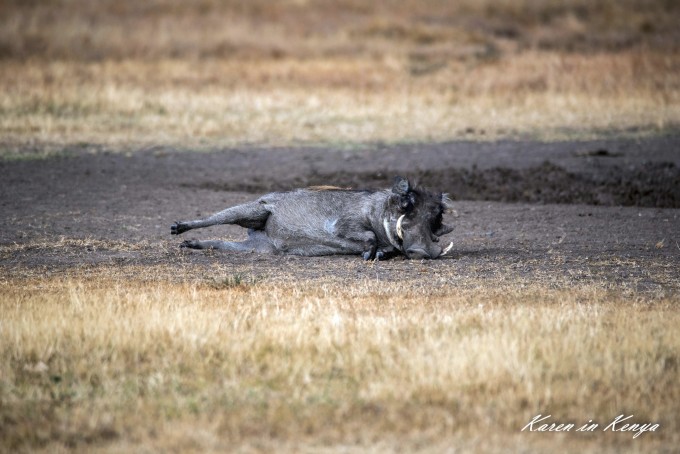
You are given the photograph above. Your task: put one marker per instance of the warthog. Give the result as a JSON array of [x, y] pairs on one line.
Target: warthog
[[326, 220]]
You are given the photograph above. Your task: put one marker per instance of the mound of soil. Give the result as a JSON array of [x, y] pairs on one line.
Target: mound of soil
[[655, 184]]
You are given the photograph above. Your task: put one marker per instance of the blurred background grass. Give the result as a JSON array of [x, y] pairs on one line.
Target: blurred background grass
[[420, 30], [284, 72]]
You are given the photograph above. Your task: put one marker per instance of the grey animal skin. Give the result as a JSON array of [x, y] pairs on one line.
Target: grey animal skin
[[327, 221]]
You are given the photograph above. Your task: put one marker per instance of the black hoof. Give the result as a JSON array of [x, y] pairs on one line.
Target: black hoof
[[371, 255], [178, 228], [190, 244]]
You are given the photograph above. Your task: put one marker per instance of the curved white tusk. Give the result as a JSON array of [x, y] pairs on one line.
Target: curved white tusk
[[447, 249], [388, 232], [400, 232]]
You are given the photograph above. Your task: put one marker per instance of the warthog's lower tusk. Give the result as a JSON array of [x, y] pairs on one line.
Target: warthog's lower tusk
[[447, 249], [388, 232]]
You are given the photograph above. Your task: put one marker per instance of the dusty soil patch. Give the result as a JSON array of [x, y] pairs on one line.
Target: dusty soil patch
[[91, 209]]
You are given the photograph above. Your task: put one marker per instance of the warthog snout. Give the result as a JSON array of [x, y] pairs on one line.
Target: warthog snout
[[417, 253]]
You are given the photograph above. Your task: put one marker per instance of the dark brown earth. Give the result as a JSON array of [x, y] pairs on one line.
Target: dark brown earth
[[561, 213]]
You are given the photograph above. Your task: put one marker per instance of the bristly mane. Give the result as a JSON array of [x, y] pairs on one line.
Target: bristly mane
[[322, 188], [327, 188]]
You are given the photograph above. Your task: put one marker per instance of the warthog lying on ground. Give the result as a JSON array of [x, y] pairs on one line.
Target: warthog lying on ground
[[327, 221]]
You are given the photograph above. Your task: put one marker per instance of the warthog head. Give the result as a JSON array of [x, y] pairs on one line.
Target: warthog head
[[419, 214]]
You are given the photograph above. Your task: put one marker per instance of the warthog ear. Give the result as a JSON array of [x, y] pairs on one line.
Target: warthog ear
[[401, 186], [443, 230]]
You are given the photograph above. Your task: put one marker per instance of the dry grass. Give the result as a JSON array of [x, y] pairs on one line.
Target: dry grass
[[64, 243], [318, 72], [223, 103], [131, 365]]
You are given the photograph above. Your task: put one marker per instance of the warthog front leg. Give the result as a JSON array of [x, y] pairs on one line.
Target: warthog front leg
[[251, 215], [384, 252], [372, 251], [366, 238]]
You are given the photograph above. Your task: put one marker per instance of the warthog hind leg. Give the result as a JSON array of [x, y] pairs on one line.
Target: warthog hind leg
[[250, 245], [251, 215]]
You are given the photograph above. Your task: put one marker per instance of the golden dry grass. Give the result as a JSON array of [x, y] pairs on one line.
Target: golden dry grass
[[132, 365], [223, 103], [278, 73]]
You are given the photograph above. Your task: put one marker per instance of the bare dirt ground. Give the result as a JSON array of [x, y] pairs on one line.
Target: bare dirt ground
[[562, 212]]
